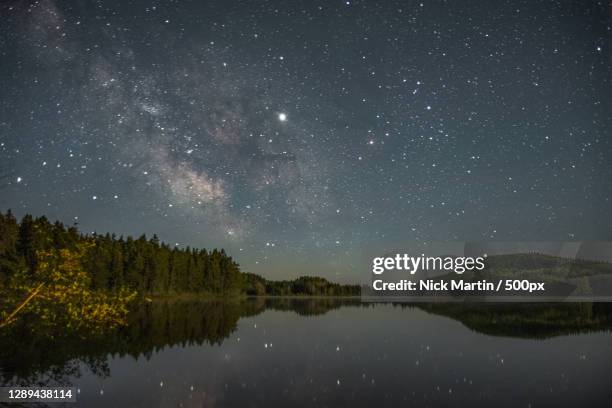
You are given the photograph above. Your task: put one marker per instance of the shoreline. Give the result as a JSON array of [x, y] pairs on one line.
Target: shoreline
[[207, 297]]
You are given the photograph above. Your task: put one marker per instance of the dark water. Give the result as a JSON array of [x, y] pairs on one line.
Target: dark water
[[263, 353]]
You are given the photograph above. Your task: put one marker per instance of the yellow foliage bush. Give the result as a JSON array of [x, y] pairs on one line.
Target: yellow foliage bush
[[66, 298]]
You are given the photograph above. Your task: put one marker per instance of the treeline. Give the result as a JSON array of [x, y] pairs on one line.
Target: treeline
[[145, 265], [256, 285]]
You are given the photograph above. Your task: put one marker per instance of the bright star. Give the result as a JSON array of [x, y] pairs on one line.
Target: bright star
[[282, 117]]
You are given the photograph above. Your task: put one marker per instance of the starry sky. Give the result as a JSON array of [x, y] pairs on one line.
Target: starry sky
[[296, 134]]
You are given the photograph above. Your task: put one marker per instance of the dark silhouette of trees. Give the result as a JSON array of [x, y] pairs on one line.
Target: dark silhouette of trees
[[256, 285], [147, 266]]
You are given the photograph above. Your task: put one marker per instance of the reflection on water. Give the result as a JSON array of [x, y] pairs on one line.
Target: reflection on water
[[327, 352]]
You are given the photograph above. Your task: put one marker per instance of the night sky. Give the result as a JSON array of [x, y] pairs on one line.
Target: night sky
[[296, 134]]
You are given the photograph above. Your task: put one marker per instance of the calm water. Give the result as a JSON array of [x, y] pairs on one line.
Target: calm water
[[325, 353]]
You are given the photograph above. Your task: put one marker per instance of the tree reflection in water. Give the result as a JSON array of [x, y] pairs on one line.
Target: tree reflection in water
[[33, 355]]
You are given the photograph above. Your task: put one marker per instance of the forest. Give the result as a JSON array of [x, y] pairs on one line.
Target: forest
[[142, 265]]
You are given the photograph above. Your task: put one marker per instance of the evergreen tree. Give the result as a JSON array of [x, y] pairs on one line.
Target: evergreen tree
[[146, 266]]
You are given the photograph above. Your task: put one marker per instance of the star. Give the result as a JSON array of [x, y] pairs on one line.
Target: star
[[198, 138]]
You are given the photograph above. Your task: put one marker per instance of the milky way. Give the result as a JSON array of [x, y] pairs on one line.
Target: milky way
[[295, 134]]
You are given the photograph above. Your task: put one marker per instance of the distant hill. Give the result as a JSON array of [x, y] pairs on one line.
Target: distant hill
[[567, 266], [256, 285]]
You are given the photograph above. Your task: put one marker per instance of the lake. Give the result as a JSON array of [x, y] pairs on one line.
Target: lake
[[326, 352]]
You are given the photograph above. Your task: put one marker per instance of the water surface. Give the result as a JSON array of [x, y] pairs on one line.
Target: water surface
[[262, 353]]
